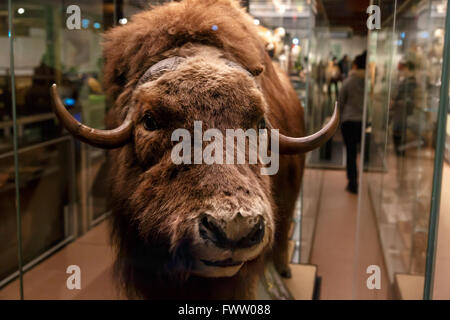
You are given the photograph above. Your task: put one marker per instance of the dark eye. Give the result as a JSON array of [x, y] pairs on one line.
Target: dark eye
[[262, 124], [149, 123]]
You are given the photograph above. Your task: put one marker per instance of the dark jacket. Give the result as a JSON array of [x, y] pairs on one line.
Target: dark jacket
[[351, 96]]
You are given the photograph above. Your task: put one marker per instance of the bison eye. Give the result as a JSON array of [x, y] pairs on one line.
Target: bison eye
[[149, 123], [262, 124]]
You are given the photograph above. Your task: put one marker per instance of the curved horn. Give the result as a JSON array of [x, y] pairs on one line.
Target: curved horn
[[107, 139], [290, 145]]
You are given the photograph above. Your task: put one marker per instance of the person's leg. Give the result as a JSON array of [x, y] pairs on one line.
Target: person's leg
[[346, 134], [398, 138], [350, 135], [329, 90], [332, 84], [336, 90], [357, 133]]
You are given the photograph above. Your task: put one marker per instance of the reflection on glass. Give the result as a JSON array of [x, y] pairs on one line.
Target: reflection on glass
[[291, 33], [8, 218], [47, 52], [402, 103], [441, 285], [63, 182]]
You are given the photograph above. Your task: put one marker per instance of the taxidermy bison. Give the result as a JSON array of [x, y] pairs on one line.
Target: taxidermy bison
[[193, 231]]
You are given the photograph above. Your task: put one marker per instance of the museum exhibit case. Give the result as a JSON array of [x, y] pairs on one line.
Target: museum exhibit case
[[53, 189], [297, 36], [61, 183], [406, 100]]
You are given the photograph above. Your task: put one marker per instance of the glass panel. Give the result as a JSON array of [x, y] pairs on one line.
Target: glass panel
[[77, 172], [46, 52], [64, 182], [441, 288], [402, 100], [441, 284], [8, 218], [314, 104], [333, 51], [292, 32]]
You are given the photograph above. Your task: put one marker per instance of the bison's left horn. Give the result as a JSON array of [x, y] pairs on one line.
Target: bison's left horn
[[107, 139], [290, 145]]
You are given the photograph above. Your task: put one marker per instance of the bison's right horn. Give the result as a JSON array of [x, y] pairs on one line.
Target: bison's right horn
[[290, 145], [107, 139]]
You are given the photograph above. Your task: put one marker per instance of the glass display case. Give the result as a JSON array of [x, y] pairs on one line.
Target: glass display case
[[72, 174], [60, 183], [293, 32], [316, 114], [53, 188], [403, 99]]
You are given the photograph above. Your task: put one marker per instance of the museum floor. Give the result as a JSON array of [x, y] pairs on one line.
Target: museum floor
[[442, 271], [333, 245], [93, 255], [332, 252]]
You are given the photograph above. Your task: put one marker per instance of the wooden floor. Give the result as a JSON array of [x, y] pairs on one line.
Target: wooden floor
[[333, 245], [333, 253], [442, 270], [91, 252]]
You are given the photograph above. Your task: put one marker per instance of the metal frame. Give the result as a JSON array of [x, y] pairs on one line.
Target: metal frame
[[72, 223], [438, 164], [15, 143]]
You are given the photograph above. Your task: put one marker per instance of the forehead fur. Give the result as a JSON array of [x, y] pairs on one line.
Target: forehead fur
[[130, 49], [203, 85]]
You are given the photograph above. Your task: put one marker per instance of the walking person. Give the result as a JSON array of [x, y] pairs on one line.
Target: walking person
[[333, 75], [344, 64], [403, 105], [351, 104]]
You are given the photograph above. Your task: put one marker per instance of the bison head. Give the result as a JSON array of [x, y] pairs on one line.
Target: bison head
[[216, 217]]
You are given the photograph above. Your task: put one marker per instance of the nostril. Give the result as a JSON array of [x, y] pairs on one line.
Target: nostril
[[257, 233], [205, 228], [205, 222], [254, 237], [209, 230]]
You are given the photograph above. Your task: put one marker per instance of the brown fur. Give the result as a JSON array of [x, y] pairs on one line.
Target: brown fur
[[155, 203]]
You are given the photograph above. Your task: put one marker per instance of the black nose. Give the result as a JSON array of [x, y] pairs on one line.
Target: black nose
[[211, 230]]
